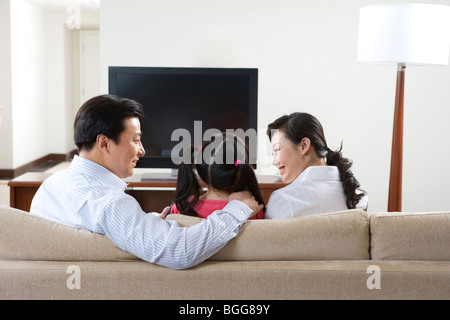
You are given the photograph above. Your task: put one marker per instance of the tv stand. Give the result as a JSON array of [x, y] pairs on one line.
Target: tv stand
[[152, 195], [158, 176]]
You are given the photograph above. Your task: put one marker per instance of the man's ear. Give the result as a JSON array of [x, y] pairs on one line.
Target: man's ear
[[103, 143], [304, 145]]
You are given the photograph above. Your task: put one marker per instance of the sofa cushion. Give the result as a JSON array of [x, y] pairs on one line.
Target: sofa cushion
[[331, 236], [410, 236], [342, 235]]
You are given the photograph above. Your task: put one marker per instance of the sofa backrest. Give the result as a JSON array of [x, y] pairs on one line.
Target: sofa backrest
[[331, 236], [28, 237], [410, 236]]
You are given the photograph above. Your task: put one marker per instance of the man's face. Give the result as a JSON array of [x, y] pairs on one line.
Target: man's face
[[125, 154]]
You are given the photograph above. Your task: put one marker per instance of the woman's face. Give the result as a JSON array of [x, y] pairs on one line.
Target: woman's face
[[287, 158]]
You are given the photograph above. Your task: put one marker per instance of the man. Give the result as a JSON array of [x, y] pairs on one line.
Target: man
[[91, 193]]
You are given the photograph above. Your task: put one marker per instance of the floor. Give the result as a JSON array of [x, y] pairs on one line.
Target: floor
[[50, 166]]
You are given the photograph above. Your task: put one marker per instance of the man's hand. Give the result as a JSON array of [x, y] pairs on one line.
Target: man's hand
[[247, 198]]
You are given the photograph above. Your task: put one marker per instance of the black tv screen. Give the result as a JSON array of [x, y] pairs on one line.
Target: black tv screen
[[176, 98]]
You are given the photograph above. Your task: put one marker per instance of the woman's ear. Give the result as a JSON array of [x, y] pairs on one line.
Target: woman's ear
[[304, 145]]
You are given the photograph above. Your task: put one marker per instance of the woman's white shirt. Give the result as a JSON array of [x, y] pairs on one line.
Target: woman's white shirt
[[318, 189]]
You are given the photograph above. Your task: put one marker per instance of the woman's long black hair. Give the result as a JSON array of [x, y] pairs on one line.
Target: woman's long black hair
[[227, 168], [299, 125]]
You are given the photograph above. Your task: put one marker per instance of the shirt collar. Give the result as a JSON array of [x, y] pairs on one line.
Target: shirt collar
[[324, 173], [96, 171]]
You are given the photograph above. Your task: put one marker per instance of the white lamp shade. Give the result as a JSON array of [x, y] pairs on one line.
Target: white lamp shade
[[413, 34]]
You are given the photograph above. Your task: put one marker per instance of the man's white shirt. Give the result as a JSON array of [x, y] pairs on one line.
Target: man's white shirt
[[89, 196]]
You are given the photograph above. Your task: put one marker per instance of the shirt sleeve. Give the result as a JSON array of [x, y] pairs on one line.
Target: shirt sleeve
[[165, 243], [363, 204]]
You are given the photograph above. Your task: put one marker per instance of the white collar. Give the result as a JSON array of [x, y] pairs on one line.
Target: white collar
[[323, 173]]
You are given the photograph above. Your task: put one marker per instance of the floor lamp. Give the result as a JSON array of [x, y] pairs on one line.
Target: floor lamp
[[402, 35]]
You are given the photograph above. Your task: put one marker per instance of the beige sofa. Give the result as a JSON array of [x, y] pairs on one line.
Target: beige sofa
[[342, 255]]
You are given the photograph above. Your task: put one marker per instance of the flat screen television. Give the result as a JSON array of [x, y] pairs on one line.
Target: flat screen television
[[177, 98]]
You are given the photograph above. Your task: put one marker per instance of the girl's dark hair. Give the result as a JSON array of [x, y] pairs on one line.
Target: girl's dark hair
[[299, 125], [227, 169], [104, 114]]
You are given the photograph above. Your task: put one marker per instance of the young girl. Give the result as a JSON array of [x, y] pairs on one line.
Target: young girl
[[224, 169], [319, 179]]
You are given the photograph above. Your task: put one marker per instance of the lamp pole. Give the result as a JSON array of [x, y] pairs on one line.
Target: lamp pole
[[395, 182]]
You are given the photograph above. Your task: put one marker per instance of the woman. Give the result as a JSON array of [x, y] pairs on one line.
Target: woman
[[319, 179]]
